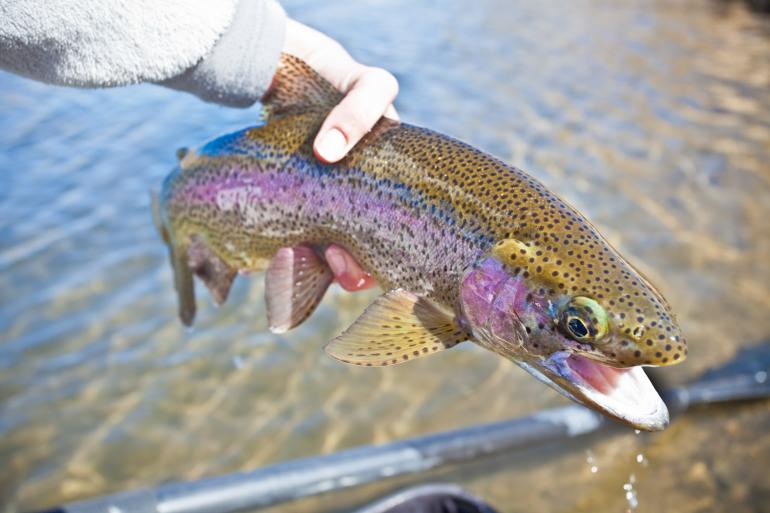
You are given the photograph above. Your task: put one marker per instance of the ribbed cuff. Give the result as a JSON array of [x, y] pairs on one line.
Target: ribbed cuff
[[239, 68]]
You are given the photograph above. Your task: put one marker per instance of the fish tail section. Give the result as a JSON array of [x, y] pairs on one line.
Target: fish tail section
[[183, 282], [183, 279], [157, 216]]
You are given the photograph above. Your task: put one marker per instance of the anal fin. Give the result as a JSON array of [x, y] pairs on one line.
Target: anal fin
[[397, 327], [296, 281], [212, 270]]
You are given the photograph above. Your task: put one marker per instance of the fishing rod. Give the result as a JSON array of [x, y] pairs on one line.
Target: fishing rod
[[744, 378]]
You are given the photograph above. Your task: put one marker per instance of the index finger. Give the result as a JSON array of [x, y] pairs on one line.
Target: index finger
[[368, 99]]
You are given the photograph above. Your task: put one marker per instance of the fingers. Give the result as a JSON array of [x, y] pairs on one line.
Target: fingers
[[347, 271], [369, 91], [370, 96]]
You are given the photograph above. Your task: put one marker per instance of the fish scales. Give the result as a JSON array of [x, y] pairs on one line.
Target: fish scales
[[259, 206], [437, 218]]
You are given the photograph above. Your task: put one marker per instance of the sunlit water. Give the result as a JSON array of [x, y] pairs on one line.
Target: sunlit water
[[653, 118]]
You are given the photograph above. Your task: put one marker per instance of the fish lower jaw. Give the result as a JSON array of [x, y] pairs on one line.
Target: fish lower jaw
[[625, 394]]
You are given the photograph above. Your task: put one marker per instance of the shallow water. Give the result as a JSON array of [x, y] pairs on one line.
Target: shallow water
[[653, 118]]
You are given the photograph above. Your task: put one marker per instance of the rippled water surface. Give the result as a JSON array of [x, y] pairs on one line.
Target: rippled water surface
[[653, 118]]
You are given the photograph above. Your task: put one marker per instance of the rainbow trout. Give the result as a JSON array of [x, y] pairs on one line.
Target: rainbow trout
[[465, 247]]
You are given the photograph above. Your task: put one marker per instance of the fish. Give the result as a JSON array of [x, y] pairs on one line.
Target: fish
[[464, 246]]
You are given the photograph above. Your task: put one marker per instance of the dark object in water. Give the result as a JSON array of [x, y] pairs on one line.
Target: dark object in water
[[760, 5], [430, 498]]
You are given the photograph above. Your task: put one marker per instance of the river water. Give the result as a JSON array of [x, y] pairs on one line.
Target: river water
[[652, 118]]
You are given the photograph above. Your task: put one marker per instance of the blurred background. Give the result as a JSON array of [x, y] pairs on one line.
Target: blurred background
[[651, 117]]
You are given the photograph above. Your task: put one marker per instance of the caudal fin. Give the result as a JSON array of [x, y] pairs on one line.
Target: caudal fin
[[183, 278]]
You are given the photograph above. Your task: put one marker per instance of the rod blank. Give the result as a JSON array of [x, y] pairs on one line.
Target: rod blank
[[744, 378], [309, 476]]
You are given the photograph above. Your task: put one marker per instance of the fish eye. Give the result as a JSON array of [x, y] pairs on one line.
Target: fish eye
[[577, 327], [584, 320]]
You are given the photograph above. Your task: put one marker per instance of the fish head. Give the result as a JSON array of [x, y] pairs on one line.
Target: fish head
[[583, 322]]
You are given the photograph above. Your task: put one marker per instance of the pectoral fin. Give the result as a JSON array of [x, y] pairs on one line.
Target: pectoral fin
[[296, 281], [397, 327]]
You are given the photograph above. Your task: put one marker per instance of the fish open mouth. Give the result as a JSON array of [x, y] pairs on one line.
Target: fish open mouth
[[625, 394]]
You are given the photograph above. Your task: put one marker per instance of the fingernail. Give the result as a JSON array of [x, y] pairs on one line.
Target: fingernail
[[331, 146], [336, 261]]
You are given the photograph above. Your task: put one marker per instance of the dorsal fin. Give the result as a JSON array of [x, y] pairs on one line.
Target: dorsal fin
[[297, 86]]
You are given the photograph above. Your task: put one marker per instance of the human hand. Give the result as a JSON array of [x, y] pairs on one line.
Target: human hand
[[347, 271], [369, 92]]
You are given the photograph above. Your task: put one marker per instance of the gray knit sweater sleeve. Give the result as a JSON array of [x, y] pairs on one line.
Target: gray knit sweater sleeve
[[223, 51]]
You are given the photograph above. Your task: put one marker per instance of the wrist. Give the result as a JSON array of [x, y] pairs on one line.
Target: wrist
[[238, 70]]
